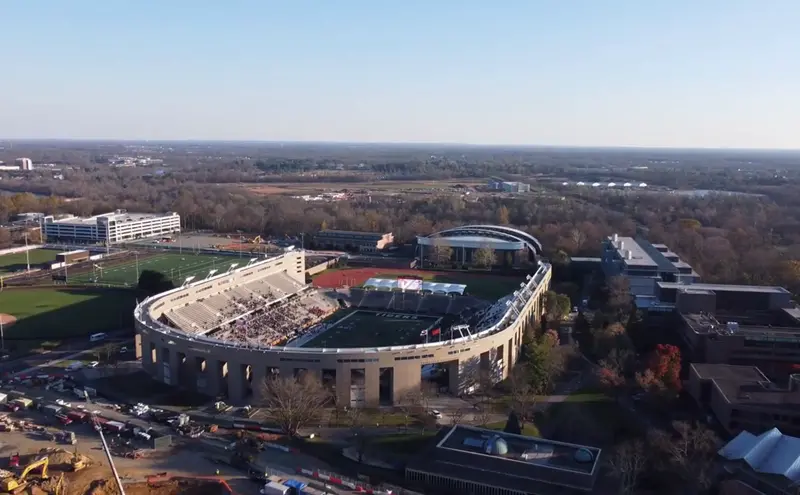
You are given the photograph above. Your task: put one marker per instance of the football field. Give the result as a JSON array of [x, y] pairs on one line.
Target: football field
[[174, 265], [361, 328]]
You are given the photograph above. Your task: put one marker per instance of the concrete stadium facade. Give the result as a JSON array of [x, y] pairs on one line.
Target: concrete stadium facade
[[225, 369]]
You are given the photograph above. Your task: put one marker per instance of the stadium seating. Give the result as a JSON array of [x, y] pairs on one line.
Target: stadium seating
[[404, 301], [434, 304], [377, 299]]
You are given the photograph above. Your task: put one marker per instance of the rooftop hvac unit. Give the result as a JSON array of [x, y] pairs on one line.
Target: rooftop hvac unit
[[628, 255], [616, 237], [622, 246]]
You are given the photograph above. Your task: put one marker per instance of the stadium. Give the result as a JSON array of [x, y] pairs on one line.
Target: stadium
[[222, 335]]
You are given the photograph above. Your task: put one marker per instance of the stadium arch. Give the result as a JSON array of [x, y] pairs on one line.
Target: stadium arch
[[465, 240]]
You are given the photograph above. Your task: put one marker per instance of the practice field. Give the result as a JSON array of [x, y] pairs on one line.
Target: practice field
[[374, 329], [484, 286], [10, 263], [57, 313], [175, 266]]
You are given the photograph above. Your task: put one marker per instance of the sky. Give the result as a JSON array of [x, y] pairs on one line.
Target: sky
[[654, 73]]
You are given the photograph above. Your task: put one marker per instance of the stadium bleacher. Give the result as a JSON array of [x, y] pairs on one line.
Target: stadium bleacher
[[277, 309]]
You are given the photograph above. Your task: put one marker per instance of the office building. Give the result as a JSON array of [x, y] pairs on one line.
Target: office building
[[24, 163], [644, 265], [496, 184], [743, 398], [466, 459], [765, 464], [741, 325], [110, 228], [363, 242]]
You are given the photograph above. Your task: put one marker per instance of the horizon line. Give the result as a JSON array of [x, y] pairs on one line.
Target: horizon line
[[395, 143]]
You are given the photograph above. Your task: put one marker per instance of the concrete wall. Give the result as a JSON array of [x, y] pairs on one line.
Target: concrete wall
[[222, 369], [321, 267]]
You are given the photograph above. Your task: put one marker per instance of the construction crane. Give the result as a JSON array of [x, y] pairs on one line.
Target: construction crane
[[10, 484], [108, 455]]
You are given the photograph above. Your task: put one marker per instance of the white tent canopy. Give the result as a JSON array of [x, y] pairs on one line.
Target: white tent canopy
[[435, 287]]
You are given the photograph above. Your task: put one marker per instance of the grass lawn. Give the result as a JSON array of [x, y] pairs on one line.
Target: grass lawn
[[174, 265], [58, 313], [372, 329], [10, 263], [529, 429], [590, 417], [402, 443]]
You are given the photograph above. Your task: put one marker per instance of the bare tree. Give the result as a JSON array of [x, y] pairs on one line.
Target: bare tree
[[294, 402], [626, 463], [483, 414], [441, 253], [483, 257], [409, 404], [357, 419], [107, 351], [457, 416], [523, 394], [690, 453]]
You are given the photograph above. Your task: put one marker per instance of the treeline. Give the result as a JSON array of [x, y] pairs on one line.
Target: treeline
[[726, 239]]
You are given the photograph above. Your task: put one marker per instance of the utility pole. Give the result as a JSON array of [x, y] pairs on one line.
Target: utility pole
[[2, 335], [27, 253], [137, 265], [110, 458]]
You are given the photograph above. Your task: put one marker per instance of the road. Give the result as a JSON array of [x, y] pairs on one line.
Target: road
[[48, 359]]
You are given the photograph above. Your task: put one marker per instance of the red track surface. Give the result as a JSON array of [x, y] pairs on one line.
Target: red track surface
[[355, 277]]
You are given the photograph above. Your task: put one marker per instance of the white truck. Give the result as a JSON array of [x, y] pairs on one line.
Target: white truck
[[275, 488]]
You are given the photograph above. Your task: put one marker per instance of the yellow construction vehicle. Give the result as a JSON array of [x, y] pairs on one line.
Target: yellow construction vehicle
[[10, 484], [77, 462], [256, 240]]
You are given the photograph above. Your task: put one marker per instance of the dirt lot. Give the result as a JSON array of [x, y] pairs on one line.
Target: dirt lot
[[97, 479], [372, 186]]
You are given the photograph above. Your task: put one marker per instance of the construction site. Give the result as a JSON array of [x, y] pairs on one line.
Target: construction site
[[61, 449]]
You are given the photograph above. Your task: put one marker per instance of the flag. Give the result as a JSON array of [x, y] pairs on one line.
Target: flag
[[436, 331], [423, 333]]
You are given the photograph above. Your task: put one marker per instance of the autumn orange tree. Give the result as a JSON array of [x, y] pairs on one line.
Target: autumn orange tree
[[665, 365]]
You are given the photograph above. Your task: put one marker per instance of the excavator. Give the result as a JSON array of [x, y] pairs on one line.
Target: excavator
[[77, 462], [13, 485]]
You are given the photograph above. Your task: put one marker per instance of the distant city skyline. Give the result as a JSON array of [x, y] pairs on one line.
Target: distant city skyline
[[619, 73]]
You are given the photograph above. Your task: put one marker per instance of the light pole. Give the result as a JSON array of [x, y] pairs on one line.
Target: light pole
[[137, 265], [27, 253], [2, 335]]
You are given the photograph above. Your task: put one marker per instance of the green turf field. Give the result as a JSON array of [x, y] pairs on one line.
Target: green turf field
[[56, 313], [10, 263], [174, 265], [374, 329]]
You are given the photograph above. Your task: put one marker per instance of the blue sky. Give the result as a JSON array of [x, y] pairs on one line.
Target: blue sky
[[674, 73]]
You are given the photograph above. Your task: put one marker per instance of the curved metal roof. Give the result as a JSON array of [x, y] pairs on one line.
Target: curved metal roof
[[498, 231], [772, 452]]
